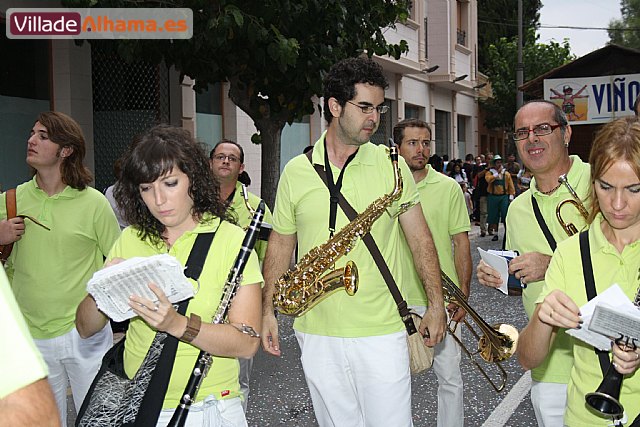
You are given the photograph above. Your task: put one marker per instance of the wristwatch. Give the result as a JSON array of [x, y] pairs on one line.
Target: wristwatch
[[193, 328]]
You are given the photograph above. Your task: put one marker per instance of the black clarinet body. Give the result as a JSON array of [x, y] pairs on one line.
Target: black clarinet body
[[205, 360]]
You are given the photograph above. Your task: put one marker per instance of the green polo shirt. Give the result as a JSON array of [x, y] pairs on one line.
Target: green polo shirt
[[222, 380], [302, 207], [444, 208], [22, 363], [609, 267], [242, 215], [524, 235], [49, 270]]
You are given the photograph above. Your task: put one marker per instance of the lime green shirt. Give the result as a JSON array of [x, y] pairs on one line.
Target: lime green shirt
[[609, 267], [222, 380], [242, 215], [524, 235], [445, 210], [302, 207], [22, 363], [49, 270]]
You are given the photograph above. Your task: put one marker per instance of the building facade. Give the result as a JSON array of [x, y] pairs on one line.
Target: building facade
[[435, 81]]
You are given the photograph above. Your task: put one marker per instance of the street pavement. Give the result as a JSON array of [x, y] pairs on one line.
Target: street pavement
[[279, 394]]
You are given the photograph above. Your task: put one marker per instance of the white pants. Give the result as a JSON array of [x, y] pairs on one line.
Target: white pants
[[549, 403], [210, 413], [446, 366], [245, 374], [71, 359], [356, 382]]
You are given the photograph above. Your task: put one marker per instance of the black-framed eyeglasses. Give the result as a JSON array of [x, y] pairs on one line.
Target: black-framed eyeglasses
[[368, 109], [222, 157], [425, 143], [539, 130]]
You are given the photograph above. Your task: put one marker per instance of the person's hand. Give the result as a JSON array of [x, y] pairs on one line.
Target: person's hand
[[433, 324], [529, 267], [113, 261], [269, 336], [159, 315], [558, 309], [626, 359], [11, 230], [456, 312], [488, 276]]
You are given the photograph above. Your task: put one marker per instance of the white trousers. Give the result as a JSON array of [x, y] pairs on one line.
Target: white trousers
[[446, 366], [71, 359], [357, 382], [549, 403], [210, 413]]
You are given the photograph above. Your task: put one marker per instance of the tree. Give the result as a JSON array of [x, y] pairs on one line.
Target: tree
[[273, 53], [498, 19], [626, 31], [538, 58]]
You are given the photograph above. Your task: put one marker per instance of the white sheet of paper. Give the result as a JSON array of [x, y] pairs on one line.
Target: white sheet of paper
[[612, 297], [496, 260], [111, 287]]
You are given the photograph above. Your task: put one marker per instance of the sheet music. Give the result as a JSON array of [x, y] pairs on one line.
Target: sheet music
[[499, 260], [111, 287], [607, 316]]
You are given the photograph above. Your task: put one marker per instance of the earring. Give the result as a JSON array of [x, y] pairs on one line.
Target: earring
[[566, 145]]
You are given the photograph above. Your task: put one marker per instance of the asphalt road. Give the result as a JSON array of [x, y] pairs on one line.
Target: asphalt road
[[279, 395]]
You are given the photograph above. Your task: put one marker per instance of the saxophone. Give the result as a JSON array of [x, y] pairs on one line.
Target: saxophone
[[301, 288]]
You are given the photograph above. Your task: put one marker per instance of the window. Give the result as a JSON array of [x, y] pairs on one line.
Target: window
[[209, 115], [462, 135], [443, 132], [385, 130], [411, 111], [462, 9]]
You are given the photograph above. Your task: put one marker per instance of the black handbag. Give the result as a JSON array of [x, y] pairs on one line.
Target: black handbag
[[115, 400]]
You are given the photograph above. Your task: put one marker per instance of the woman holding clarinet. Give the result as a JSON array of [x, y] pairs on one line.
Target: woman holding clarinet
[[170, 197], [586, 265]]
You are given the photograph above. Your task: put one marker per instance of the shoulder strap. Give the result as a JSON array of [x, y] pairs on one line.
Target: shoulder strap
[[153, 399], [12, 211], [368, 240], [590, 286], [543, 225]]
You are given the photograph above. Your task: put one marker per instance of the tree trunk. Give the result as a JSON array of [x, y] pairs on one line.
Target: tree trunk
[[270, 133]]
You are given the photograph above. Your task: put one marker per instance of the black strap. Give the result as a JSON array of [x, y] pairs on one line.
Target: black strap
[[590, 286], [154, 397], [334, 189], [543, 225], [368, 240]]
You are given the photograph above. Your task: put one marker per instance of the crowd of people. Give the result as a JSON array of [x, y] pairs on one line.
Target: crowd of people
[[171, 195]]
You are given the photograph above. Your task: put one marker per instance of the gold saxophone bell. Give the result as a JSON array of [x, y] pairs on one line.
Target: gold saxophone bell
[[569, 228], [496, 343]]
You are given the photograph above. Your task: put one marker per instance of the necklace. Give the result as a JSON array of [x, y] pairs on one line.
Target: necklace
[[546, 193]]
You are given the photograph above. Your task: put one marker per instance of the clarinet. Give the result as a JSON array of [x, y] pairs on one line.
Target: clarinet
[[205, 360]]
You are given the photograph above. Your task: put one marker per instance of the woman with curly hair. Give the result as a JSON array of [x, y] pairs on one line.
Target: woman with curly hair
[[169, 196]]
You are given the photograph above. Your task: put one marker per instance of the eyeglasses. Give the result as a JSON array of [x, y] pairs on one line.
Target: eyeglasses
[[368, 109], [222, 157], [539, 130], [425, 143]]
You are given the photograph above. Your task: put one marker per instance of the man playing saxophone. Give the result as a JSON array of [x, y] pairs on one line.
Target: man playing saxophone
[[354, 350], [444, 208], [542, 135]]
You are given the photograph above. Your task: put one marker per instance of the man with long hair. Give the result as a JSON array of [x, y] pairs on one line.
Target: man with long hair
[[57, 252]]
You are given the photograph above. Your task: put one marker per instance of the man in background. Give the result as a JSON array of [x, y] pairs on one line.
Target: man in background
[[444, 208], [68, 229]]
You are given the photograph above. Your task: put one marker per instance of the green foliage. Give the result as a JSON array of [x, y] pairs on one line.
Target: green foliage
[[626, 31], [499, 18], [538, 58]]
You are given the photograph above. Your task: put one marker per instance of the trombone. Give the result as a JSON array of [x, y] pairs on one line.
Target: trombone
[[496, 343], [569, 228]]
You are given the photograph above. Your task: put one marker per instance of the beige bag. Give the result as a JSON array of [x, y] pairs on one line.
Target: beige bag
[[420, 356]]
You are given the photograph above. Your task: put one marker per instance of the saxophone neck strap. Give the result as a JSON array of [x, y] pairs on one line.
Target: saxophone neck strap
[[542, 224], [368, 240], [590, 287], [334, 188], [12, 211]]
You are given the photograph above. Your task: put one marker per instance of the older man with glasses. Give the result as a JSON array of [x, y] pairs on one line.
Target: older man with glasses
[[542, 135]]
